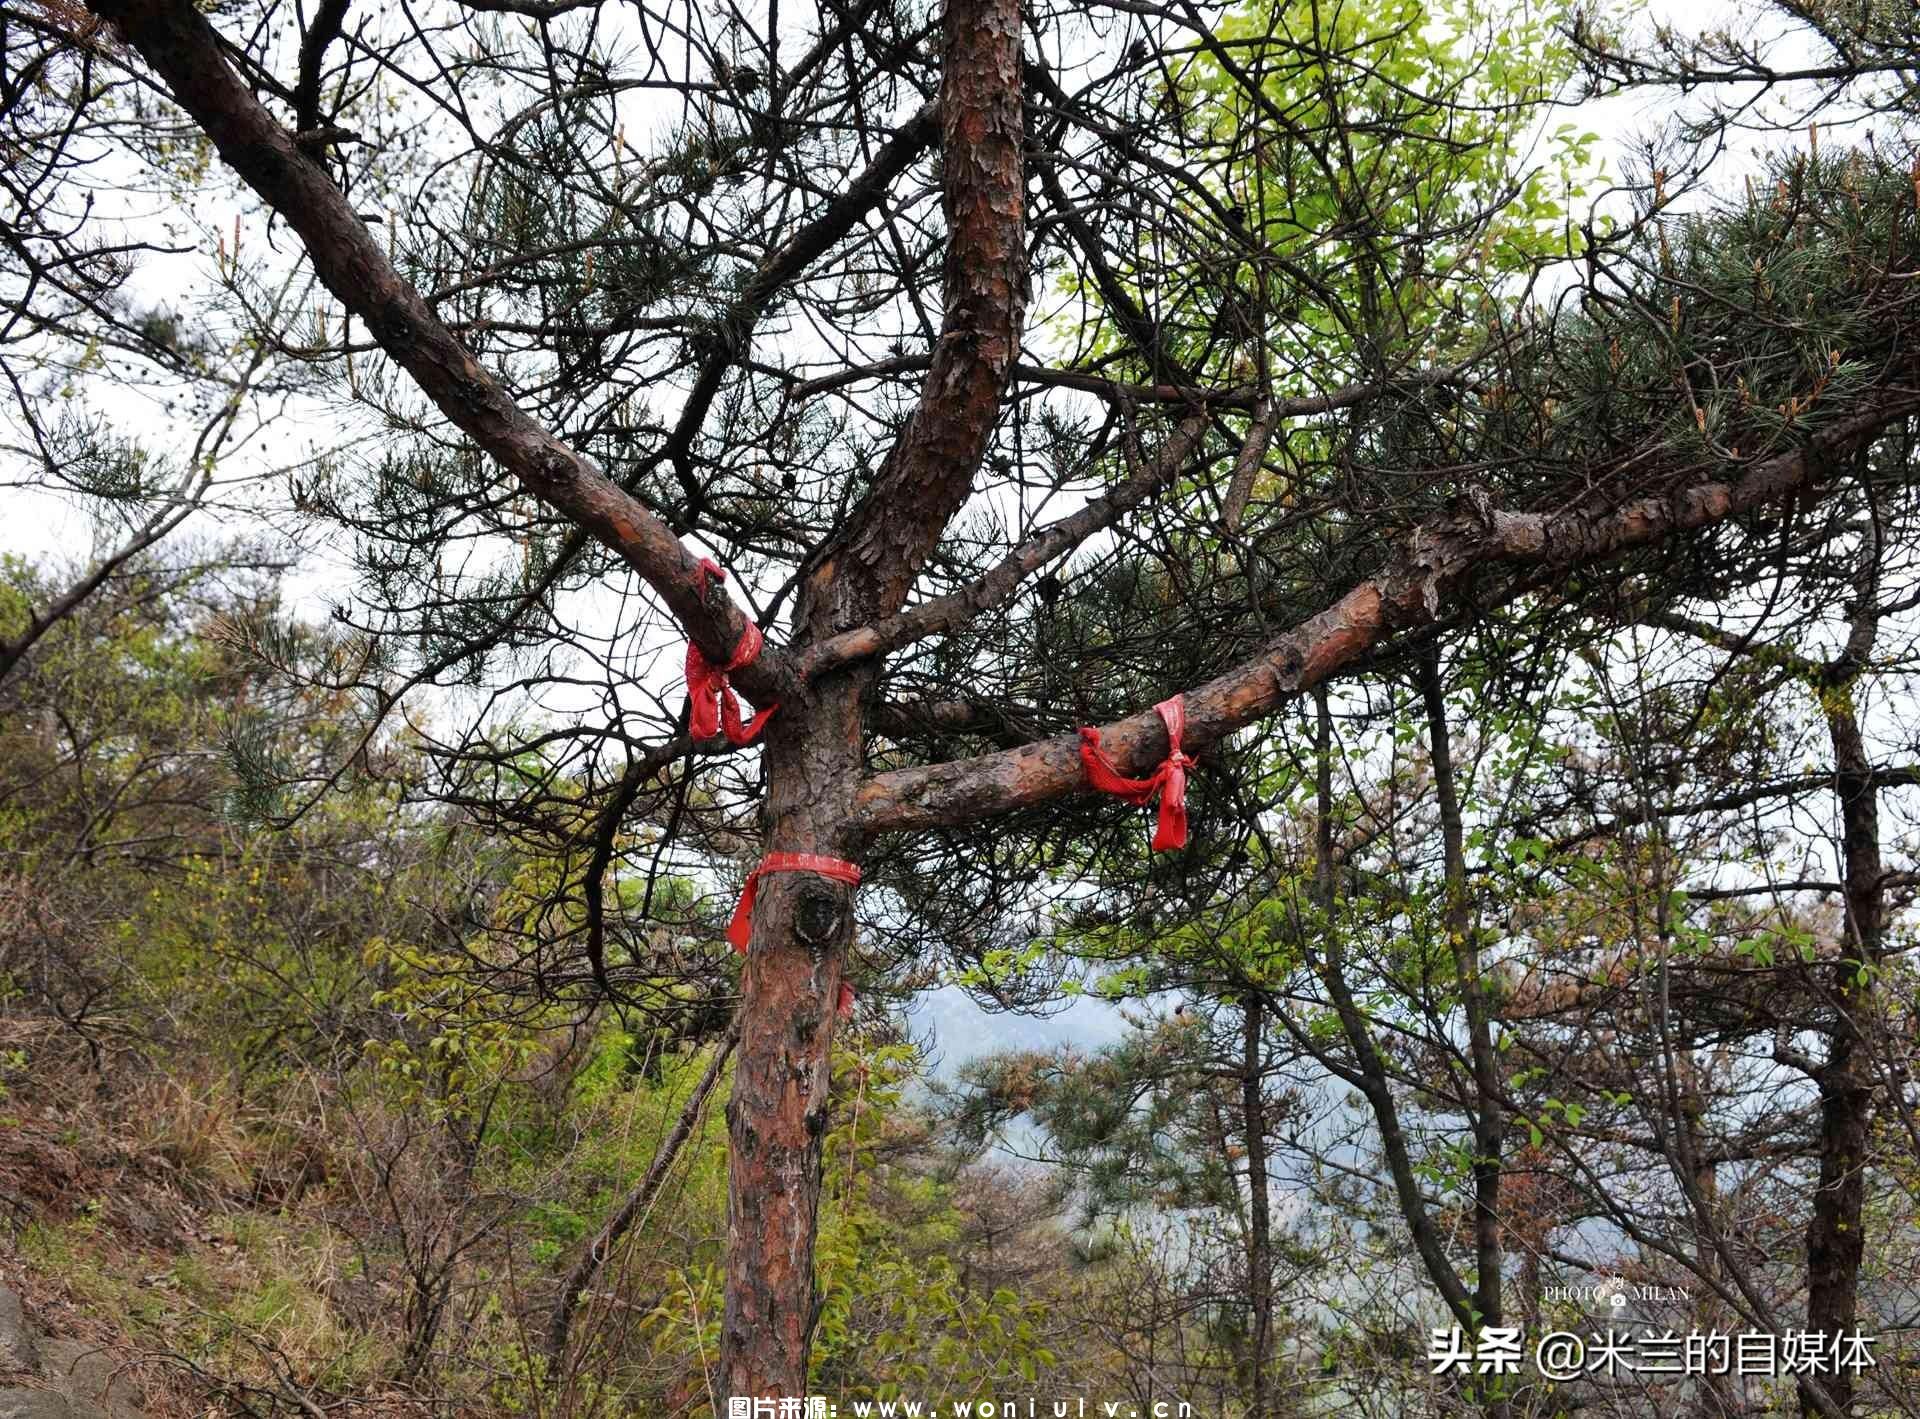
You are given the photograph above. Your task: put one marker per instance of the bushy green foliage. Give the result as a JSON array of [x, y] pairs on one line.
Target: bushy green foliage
[[1389, 161], [314, 1027]]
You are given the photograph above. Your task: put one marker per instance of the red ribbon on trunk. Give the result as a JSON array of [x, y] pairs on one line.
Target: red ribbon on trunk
[[740, 929], [1169, 781], [712, 706]]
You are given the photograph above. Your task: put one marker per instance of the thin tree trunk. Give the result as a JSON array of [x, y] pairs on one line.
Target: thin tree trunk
[[1489, 1127], [637, 1202], [1717, 1396], [1836, 1237], [1259, 1204], [1370, 1075]]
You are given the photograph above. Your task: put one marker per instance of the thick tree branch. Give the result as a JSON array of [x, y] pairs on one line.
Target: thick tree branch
[[1008, 725], [1411, 591], [865, 570], [1246, 469], [185, 52], [328, 21]]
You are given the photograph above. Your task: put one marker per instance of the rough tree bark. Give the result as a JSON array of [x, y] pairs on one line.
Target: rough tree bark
[[1836, 1236], [814, 753], [1436, 560], [813, 747], [189, 56]]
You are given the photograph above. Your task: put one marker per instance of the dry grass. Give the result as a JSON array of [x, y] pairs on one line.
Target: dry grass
[[183, 1230]]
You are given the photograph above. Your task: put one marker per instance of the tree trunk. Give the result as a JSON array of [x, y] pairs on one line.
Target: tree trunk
[[1259, 1204], [777, 1118], [1710, 1313], [1489, 1126], [814, 746], [1835, 1231], [1836, 1239]]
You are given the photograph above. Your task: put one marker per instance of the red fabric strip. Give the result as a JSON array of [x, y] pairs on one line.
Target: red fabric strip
[[1169, 781], [740, 929], [712, 706]]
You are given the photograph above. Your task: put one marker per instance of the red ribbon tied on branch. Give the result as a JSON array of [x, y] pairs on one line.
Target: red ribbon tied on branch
[[1169, 781], [712, 706], [740, 929]]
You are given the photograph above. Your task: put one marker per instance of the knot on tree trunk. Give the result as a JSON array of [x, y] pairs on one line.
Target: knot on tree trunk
[[822, 914]]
